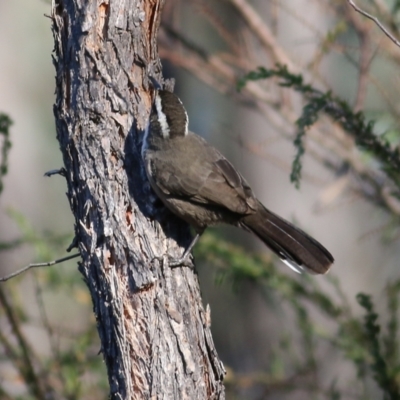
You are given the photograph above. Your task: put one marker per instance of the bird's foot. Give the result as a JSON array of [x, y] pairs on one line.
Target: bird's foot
[[183, 261]]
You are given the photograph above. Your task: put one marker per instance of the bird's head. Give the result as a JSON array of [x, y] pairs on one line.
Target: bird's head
[[168, 116]]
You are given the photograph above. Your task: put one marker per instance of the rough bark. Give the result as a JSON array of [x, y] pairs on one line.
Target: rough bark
[[155, 334]]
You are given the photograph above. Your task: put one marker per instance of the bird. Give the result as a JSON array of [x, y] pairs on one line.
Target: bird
[[200, 186]]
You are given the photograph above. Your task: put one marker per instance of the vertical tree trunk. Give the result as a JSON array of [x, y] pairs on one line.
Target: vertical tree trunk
[[155, 334]]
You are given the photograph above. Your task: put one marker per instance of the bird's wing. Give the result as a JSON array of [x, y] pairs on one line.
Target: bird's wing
[[207, 181], [224, 186]]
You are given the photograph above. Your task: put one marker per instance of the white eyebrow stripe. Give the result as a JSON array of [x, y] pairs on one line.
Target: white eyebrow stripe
[[162, 118]]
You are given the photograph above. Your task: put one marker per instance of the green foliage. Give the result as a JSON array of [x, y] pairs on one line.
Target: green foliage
[[384, 376], [233, 263], [74, 369], [354, 123], [356, 339], [395, 6], [5, 145]]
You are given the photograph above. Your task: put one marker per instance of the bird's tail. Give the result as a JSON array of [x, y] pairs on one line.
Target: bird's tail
[[293, 246]]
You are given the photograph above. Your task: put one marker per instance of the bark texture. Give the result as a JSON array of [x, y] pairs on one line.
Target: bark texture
[[155, 334]]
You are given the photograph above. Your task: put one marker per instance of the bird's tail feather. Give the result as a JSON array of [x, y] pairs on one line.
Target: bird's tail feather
[[293, 246]]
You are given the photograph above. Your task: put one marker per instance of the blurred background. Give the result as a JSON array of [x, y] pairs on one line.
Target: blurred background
[[272, 345]]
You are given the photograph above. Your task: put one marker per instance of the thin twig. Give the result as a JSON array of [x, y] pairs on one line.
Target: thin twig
[[263, 33], [53, 341], [26, 368], [45, 264], [376, 20], [230, 39], [61, 171], [365, 63]]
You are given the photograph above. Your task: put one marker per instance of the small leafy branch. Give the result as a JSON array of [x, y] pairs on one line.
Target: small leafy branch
[[384, 376], [72, 369], [354, 123], [359, 340], [5, 123]]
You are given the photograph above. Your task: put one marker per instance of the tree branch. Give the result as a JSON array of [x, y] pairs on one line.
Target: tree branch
[[37, 265], [377, 22]]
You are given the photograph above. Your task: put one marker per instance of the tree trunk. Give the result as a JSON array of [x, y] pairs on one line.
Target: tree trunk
[[155, 334]]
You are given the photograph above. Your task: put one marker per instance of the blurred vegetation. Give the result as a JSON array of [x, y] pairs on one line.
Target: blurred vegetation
[[318, 103], [5, 145], [72, 368], [372, 351]]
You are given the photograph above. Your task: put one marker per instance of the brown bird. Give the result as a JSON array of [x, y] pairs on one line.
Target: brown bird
[[198, 184]]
